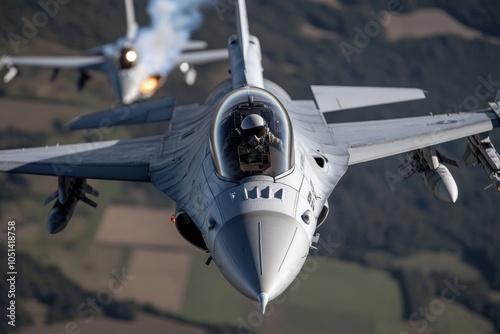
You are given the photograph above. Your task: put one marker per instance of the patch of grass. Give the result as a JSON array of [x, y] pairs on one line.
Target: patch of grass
[[293, 319], [344, 287], [457, 319], [126, 255], [384, 326], [107, 191], [209, 297], [73, 250]]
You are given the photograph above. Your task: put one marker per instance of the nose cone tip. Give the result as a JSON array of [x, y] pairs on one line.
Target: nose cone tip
[[261, 254], [263, 300]]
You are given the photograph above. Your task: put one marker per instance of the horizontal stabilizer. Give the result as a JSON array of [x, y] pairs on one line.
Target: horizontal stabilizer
[[157, 110], [335, 98], [202, 57], [194, 45]]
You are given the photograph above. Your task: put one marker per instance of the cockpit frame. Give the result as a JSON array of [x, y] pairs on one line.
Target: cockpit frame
[[237, 155]]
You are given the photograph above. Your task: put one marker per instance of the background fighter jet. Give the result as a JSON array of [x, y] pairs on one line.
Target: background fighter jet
[[255, 208], [137, 64]]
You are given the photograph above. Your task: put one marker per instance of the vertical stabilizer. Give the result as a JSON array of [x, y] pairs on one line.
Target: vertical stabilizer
[[244, 52], [242, 27], [132, 25]]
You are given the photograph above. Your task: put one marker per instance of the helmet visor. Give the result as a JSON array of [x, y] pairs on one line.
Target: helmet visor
[[258, 131]]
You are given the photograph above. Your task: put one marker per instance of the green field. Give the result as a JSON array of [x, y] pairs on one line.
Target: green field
[[209, 297], [365, 216], [349, 288], [338, 297], [73, 250], [339, 293]]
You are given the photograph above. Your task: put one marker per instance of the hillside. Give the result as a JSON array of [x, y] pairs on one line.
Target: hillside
[[50, 301], [375, 223]]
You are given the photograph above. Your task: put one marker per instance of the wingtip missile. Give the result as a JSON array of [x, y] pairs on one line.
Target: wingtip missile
[[480, 151], [11, 74]]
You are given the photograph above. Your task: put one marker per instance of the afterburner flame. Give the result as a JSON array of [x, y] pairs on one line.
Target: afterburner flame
[[149, 85]]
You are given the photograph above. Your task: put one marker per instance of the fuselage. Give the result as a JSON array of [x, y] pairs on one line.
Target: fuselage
[[256, 200], [139, 82], [258, 220], [133, 79]]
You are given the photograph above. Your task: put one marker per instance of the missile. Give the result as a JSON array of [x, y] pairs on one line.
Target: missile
[[54, 75], [82, 80], [480, 151], [12, 70], [441, 184], [189, 72], [11, 74], [437, 178], [60, 214], [69, 192]]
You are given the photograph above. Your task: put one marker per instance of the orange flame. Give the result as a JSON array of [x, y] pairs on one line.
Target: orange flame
[[149, 85]]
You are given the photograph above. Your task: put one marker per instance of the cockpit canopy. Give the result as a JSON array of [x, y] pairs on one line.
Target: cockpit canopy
[[261, 145]]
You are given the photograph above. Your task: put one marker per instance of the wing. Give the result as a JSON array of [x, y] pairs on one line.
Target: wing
[[164, 161], [202, 57], [125, 160], [371, 140], [122, 160], [335, 98], [156, 110], [82, 63], [365, 141]]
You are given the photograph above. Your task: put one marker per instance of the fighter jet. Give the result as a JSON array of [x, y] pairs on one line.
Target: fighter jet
[[132, 76], [251, 170]]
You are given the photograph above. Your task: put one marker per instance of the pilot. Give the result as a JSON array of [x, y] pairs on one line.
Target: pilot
[[255, 133]]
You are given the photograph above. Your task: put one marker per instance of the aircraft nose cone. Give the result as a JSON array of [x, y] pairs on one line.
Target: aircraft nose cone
[[260, 254], [263, 300], [129, 87]]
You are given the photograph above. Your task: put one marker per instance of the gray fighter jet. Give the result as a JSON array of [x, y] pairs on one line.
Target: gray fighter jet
[[132, 75], [251, 169]]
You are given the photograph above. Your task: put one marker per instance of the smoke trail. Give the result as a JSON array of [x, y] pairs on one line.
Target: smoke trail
[[172, 22]]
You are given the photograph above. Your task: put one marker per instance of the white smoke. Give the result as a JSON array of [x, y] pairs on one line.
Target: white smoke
[[172, 22]]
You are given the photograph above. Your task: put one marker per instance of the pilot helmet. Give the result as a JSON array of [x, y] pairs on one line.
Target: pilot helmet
[[253, 125]]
